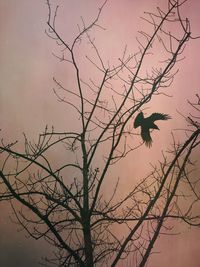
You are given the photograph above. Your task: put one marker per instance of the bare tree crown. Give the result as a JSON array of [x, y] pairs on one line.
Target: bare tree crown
[[67, 203]]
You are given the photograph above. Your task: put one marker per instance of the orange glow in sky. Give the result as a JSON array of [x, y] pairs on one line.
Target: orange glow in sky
[[27, 102]]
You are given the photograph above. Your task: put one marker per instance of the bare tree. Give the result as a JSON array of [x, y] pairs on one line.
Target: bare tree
[[63, 202]]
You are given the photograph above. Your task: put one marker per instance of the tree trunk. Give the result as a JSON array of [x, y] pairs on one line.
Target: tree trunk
[[88, 245]]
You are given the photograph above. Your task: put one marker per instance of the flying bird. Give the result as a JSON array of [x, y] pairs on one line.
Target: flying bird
[[148, 123]]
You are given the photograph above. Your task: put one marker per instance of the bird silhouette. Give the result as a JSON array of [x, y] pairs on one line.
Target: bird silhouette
[[148, 123]]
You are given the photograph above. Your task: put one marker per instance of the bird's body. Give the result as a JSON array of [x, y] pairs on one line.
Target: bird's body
[[148, 123]]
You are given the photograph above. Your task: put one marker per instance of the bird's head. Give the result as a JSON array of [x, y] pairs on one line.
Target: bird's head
[[155, 127]]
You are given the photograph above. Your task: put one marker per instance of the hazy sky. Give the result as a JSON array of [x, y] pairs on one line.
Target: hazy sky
[[27, 102]]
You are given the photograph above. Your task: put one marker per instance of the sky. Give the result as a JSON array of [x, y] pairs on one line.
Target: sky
[[27, 102]]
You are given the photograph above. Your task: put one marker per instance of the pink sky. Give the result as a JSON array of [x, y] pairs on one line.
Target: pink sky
[[27, 102]]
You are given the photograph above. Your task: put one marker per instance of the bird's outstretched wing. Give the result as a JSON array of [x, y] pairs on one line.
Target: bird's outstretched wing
[[145, 134], [139, 120], [159, 116]]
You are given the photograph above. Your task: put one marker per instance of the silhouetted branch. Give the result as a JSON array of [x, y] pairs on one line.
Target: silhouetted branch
[[65, 195]]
